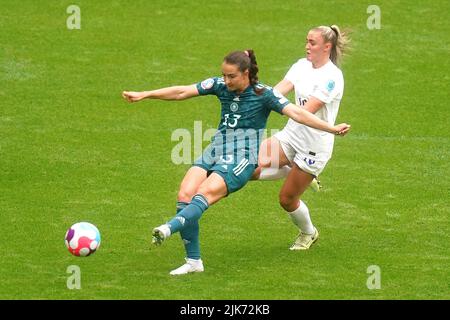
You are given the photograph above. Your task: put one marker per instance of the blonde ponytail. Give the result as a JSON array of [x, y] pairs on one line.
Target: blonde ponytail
[[339, 41]]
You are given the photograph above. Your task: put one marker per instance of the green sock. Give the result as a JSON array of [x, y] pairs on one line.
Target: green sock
[[192, 212], [190, 235]]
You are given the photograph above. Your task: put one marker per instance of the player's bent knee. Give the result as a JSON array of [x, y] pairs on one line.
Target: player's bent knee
[[185, 195], [212, 194], [206, 192], [287, 202]]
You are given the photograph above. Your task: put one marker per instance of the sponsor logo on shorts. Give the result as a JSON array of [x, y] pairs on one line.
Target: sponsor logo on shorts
[[309, 162]]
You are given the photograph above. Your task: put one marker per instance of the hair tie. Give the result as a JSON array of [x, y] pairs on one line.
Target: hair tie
[[246, 53], [331, 27]]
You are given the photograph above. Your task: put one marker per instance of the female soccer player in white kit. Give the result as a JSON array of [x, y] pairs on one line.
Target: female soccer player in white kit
[[319, 86]]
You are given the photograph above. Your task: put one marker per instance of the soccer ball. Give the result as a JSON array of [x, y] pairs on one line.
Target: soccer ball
[[82, 239]]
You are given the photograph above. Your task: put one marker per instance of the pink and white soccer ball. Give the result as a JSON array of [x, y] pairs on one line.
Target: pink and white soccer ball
[[82, 239]]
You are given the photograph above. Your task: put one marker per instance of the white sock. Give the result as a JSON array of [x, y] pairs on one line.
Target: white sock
[[300, 217], [274, 173]]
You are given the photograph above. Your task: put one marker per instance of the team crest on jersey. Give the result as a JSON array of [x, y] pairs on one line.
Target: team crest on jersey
[[330, 85], [207, 84], [234, 107]]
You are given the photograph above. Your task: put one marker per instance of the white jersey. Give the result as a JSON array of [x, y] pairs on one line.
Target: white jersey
[[326, 84]]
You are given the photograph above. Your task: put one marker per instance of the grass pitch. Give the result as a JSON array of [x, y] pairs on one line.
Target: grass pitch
[[72, 150]]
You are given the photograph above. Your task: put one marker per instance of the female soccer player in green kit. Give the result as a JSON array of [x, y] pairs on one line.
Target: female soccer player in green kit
[[228, 163]]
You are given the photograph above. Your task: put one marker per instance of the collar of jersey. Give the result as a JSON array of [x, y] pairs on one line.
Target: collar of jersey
[[245, 90]]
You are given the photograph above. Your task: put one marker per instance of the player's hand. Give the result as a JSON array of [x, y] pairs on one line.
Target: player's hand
[[132, 96], [342, 129]]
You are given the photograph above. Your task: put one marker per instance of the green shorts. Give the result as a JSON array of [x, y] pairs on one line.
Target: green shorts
[[236, 169]]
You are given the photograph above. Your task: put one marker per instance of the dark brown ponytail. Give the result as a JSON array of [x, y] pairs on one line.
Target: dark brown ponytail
[[246, 60]]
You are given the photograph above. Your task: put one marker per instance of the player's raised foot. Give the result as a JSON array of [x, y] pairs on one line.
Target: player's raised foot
[[191, 265], [160, 234], [315, 184], [304, 241]]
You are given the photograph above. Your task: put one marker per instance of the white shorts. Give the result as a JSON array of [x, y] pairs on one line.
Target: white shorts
[[308, 161]]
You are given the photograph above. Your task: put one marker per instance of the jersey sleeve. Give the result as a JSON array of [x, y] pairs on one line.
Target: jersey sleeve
[[329, 89], [275, 100], [209, 86]]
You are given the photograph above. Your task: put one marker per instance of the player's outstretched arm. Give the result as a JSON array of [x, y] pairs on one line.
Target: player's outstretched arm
[[169, 93], [302, 116]]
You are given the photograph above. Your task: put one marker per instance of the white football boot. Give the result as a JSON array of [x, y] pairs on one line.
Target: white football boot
[[160, 234], [315, 184], [191, 265], [304, 241]]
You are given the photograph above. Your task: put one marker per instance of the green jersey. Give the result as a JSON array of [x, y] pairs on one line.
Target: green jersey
[[243, 116], [233, 151]]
